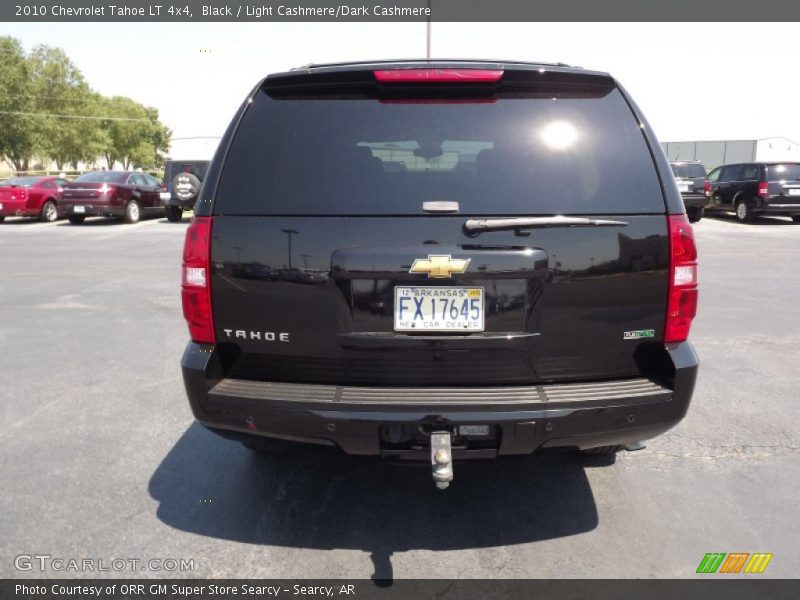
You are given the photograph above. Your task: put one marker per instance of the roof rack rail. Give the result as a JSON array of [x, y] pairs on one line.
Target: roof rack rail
[[435, 60]]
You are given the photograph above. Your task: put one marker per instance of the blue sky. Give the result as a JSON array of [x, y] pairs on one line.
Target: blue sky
[[693, 80]]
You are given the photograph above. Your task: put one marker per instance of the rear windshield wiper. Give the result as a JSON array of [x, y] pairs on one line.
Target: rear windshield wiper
[[520, 224]]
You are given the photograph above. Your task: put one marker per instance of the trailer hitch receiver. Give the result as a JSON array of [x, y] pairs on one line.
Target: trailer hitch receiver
[[441, 459]]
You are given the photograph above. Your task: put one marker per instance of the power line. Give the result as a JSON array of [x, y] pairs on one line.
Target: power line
[[62, 99], [33, 114]]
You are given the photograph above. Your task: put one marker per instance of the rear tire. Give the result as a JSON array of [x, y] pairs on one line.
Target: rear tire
[[76, 219], [133, 212], [744, 214], [601, 450], [695, 213], [49, 212], [174, 213], [2, 218]]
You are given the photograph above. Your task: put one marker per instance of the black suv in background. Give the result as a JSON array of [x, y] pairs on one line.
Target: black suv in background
[[752, 189], [439, 260], [690, 176], [182, 182]]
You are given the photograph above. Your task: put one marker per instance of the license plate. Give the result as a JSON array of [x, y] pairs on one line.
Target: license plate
[[438, 309], [792, 192], [683, 187], [477, 430], [78, 209]]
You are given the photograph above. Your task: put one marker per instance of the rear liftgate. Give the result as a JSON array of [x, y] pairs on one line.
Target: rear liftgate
[[519, 310]]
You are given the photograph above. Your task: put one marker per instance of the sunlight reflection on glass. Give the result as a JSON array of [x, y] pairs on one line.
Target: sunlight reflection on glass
[[559, 135]]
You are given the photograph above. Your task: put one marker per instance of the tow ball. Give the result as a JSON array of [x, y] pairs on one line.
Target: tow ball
[[441, 459]]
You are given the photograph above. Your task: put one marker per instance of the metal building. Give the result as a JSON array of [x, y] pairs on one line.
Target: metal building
[[720, 152], [194, 148]]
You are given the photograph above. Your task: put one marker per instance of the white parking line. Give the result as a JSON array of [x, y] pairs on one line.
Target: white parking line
[[103, 227], [19, 224], [124, 228], [768, 224]]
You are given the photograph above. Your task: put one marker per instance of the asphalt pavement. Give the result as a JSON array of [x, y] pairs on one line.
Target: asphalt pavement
[[100, 459]]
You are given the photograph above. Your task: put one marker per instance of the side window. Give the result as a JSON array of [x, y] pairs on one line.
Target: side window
[[749, 173], [713, 177], [152, 180], [697, 170], [730, 173], [47, 185], [137, 179]]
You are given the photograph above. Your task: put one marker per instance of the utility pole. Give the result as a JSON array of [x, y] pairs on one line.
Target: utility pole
[[290, 233], [428, 44]]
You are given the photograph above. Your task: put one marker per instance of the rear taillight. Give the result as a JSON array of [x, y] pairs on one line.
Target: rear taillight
[[105, 188], [682, 300], [707, 188], [763, 189], [18, 193], [438, 75], [163, 187], [195, 284]]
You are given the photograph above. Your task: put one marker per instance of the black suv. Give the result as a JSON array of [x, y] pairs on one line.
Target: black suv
[[182, 182], [752, 189], [690, 176], [439, 260]]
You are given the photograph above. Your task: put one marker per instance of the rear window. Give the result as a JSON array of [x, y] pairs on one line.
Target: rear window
[[788, 172], [688, 170], [542, 153], [196, 168], [21, 181], [101, 177]]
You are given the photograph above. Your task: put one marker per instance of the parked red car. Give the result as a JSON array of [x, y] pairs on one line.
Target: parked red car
[[31, 197], [128, 195]]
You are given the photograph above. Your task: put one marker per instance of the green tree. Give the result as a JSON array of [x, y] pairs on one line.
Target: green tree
[[17, 129], [112, 135], [47, 109], [65, 130], [136, 138], [152, 151], [94, 136]]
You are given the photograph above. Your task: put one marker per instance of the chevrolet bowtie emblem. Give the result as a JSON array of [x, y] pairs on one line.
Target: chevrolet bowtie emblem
[[439, 266]]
